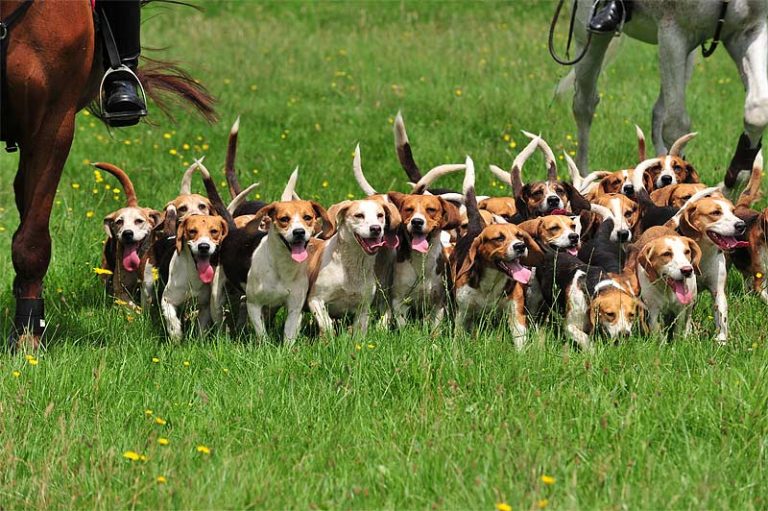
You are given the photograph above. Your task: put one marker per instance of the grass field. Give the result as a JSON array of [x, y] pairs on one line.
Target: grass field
[[414, 419]]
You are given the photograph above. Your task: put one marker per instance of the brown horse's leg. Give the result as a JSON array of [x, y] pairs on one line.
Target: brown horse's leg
[[36, 182]]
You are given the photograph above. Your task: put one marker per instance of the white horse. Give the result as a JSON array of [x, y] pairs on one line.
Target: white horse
[[679, 27]]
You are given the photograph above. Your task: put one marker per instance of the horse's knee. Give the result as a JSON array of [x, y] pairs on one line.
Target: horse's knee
[[584, 105], [756, 115], [31, 255]]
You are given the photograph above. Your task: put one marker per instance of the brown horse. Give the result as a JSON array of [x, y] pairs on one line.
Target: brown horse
[[54, 67]]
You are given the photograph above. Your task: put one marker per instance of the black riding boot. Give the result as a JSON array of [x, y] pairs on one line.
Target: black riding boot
[[123, 105], [610, 16]]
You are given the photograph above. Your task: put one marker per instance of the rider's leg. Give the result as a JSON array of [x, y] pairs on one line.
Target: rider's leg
[[610, 16], [121, 94]]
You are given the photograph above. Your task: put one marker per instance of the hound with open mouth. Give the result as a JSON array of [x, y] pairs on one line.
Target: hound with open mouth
[[129, 237], [342, 279]]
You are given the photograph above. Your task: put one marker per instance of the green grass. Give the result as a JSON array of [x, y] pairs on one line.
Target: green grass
[[413, 419]]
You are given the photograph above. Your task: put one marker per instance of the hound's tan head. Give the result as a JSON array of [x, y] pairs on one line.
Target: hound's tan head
[[202, 235], [191, 204], [625, 213], [615, 311], [501, 247], [554, 232], [670, 170], [131, 226], [711, 220], [487, 217], [673, 259], [676, 195], [617, 182], [503, 207], [424, 217], [367, 221], [296, 222]]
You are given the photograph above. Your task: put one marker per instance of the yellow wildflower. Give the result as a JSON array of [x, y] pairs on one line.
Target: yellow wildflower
[[86, 161], [185, 147], [160, 421], [16, 374], [132, 455], [503, 506], [161, 480], [155, 274], [358, 347], [32, 361], [163, 441], [205, 147], [148, 412], [76, 186], [547, 479], [186, 363], [506, 137], [155, 360], [202, 449], [325, 184], [173, 152], [542, 503], [167, 136], [371, 346], [116, 190], [458, 92], [86, 113], [89, 214], [758, 275]]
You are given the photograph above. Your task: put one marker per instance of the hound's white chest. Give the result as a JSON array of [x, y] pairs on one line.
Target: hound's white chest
[[274, 282], [417, 278], [345, 287], [485, 296]]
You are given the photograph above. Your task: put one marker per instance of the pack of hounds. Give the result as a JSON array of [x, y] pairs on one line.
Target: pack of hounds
[[611, 252]]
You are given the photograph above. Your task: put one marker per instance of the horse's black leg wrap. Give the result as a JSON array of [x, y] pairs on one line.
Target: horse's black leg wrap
[[29, 318], [743, 159]]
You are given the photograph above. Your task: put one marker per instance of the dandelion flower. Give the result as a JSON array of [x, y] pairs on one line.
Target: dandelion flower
[[547, 479], [225, 370], [503, 506], [325, 184], [253, 87], [155, 360], [543, 503], [89, 214], [160, 421], [16, 374], [205, 147], [758, 275], [161, 480], [163, 441], [185, 147], [202, 449], [173, 152], [186, 363], [371, 346], [148, 412], [86, 113], [75, 186], [32, 362], [155, 274], [116, 191], [358, 347], [167, 136], [458, 92], [132, 455], [86, 161]]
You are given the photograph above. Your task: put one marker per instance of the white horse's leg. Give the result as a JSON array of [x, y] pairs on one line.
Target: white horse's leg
[[749, 50], [659, 111], [585, 98], [673, 66]]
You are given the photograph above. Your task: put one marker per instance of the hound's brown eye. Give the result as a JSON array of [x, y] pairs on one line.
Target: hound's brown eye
[[678, 168], [119, 221], [183, 209], [201, 207], [554, 229], [610, 315], [285, 219], [307, 218], [499, 238], [360, 216], [687, 252], [631, 316], [214, 231], [628, 214], [380, 215], [193, 232], [431, 211], [717, 212], [538, 193], [667, 254], [408, 210]]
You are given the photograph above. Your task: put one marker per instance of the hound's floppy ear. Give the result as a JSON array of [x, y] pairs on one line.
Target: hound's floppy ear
[[535, 255], [695, 254], [396, 198], [644, 260], [339, 211], [109, 222], [393, 216], [224, 227], [180, 239], [170, 220], [589, 222], [686, 227], [154, 216], [663, 196], [328, 228], [650, 173], [576, 200], [469, 260], [451, 217], [693, 176], [592, 317], [602, 188], [252, 227], [530, 227]]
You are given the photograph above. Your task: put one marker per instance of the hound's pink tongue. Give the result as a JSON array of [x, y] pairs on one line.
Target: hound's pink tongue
[[205, 271], [299, 252], [574, 251], [682, 293], [131, 257], [558, 211], [519, 272], [729, 242], [420, 243]]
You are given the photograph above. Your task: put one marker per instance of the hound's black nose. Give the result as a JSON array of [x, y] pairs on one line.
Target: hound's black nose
[[519, 247], [299, 233], [375, 230], [203, 248], [687, 271], [573, 238], [622, 235], [553, 201], [417, 223], [666, 180], [127, 235], [740, 227], [629, 190]]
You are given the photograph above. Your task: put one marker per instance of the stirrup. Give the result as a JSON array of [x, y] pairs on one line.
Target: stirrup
[[118, 119]]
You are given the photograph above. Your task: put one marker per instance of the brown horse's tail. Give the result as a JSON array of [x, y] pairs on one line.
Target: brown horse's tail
[[165, 82], [229, 166], [130, 193]]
